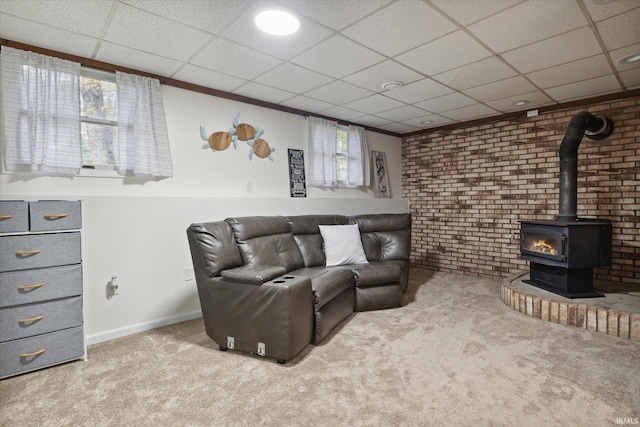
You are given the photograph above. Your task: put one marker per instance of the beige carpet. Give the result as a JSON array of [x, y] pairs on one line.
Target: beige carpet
[[453, 355]]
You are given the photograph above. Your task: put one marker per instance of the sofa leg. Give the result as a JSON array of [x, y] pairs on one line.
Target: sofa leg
[[280, 361], [223, 348]]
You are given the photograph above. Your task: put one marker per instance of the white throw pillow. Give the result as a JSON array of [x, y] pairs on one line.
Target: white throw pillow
[[342, 244]]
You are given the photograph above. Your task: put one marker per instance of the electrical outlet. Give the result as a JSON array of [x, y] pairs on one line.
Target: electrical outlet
[[249, 187], [188, 274]]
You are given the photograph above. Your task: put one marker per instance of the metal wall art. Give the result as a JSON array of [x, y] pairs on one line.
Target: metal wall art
[[220, 141]]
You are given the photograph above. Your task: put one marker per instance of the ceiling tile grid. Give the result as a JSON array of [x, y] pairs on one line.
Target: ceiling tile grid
[[456, 60]]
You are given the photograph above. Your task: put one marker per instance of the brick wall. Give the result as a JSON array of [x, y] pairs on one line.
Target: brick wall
[[469, 186]]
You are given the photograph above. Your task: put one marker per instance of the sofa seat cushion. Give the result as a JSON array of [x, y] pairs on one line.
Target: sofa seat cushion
[[377, 273], [326, 282]]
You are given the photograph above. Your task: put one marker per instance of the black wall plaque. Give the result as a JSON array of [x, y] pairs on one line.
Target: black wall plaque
[[297, 182]]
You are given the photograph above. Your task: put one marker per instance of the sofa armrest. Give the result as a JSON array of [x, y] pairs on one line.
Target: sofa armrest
[[253, 274], [279, 315]]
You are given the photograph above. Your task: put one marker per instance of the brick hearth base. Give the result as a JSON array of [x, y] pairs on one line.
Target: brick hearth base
[[616, 314]]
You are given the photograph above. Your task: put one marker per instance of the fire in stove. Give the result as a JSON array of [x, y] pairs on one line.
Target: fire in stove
[[543, 247]]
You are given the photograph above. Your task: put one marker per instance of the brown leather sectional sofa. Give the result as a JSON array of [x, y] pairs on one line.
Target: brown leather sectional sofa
[[264, 286]]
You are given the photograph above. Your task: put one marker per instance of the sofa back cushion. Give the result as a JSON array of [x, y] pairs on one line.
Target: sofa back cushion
[[213, 248], [306, 232], [266, 240], [385, 236]]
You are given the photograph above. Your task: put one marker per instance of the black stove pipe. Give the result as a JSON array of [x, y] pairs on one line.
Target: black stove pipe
[[595, 127]]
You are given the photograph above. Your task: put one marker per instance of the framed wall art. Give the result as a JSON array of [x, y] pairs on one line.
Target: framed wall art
[[381, 186]]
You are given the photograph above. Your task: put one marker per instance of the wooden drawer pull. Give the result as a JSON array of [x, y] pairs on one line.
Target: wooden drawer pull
[[35, 353], [26, 287], [33, 252], [6, 216], [30, 320], [55, 216]]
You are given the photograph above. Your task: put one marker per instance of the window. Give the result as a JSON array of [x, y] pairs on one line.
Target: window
[[59, 119], [98, 119], [338, 155]]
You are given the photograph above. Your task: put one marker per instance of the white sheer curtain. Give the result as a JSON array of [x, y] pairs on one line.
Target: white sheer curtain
[[41, 113], [322, 152], [322, 155], [143, 140], [359, 167]]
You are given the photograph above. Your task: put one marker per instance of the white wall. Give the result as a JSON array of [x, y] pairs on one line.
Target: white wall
[[136, 229]]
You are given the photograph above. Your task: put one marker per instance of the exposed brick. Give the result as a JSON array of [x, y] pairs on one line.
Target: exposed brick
[[468, 187]]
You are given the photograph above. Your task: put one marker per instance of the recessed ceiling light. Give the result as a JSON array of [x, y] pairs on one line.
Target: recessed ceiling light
[[391, 85], [520, 102], [277, 22], [426, 122], [629, 59]]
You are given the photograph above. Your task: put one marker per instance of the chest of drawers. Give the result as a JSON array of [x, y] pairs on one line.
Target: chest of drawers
[[41, 320]]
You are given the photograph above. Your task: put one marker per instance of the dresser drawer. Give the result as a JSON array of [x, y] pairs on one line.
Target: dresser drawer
[[39, 250], [44, 350], [14, 216], [40, 318], [41, 284], [48, 215]]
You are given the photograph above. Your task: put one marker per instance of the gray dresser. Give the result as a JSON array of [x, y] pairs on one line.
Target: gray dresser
[[41, 321]]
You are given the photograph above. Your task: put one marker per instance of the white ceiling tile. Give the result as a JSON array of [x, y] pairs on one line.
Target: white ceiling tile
[[621, 30], [402, 114], [582, 69], [616, 55], [374, 104], [467, 12], [339, 93], [400, 27], [202, 14], [536, 99], [436, 120], [136, 59], [245, 32], [293, 78], [584, 89], [230, 58], [83, 17], [600, 10], [485, 71], [373, 77], [33, 33], [502, 89], [399, 128], [445, 103], [340, 112], [305, 103], [372, 121], [263, 93], [528, 22], [558, 50], [335, 14], [470, 113], [338, 57], [446, 53], [418, 91], [631, 78], [208, 78], [147, 32]]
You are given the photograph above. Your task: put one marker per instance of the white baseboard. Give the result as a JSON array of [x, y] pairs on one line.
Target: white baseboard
[[140, 327]]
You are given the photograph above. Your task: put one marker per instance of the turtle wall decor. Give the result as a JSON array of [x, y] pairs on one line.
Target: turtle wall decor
[[220, 141]]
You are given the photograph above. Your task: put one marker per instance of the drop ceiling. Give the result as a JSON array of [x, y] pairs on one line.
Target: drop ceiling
[[458, 60]]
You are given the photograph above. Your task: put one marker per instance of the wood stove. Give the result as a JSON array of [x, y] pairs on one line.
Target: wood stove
[[563, 252]]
